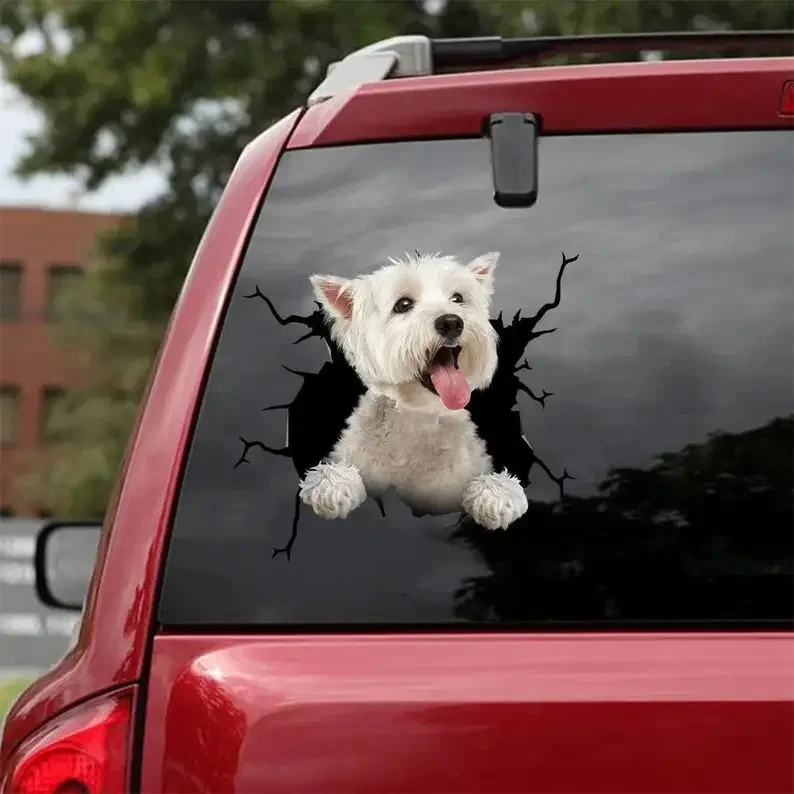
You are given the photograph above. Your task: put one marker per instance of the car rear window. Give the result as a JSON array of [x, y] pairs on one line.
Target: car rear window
[[644, 392]]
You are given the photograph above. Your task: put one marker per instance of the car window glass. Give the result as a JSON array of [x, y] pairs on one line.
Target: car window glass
[[660, 407]]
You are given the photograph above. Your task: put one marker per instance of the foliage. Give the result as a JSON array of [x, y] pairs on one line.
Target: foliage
[[10, 690], [184, 86]]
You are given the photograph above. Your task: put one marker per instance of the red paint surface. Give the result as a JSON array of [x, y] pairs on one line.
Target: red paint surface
[[675, 95], [787, 99], [120, 606], [452, 713], [471, 713]]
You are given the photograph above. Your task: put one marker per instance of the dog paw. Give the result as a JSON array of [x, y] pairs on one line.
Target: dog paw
[[332, 490], [495, 500]]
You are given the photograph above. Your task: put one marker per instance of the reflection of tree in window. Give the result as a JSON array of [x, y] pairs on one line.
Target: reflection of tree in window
[[53, 408], [325, 400], [706, 531], [61, 280], [10, 291], [9, 415]]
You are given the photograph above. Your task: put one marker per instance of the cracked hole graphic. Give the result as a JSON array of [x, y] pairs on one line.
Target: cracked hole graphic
[[334, 391]]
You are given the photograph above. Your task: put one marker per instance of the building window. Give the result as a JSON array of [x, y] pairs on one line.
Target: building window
[[50, 431], [10, 291], [9, 415], [61, 279]]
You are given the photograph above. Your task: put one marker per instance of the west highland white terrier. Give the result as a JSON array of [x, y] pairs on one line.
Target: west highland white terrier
[[417, 332]]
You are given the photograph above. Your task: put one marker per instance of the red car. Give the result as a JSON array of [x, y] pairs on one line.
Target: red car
[[631, 631]]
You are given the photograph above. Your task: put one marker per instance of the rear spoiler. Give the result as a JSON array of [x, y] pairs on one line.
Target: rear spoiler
[[416, 56]]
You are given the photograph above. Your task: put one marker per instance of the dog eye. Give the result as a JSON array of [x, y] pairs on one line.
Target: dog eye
[[403, 305], [457, 298]]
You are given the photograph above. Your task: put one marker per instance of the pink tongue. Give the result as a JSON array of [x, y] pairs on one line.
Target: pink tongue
[[451, 385]]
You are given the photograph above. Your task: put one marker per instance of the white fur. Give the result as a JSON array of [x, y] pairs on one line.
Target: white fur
[[401, 434], [333, 489], [496, 500]]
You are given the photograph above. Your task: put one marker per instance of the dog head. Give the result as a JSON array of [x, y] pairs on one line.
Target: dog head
[[417, 329]]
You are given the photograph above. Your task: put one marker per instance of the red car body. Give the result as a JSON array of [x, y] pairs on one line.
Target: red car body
[[451, 712]]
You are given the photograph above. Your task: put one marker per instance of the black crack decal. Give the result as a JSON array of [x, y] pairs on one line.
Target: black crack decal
[[325, 400]]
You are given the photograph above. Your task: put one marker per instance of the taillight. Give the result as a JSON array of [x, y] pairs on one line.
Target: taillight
[[85, 751]]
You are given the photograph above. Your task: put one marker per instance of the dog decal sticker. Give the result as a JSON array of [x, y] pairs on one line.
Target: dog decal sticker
[[419, 394], [417, 332]]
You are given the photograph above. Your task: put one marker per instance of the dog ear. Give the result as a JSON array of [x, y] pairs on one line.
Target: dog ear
[[335, 295], [483, 268]]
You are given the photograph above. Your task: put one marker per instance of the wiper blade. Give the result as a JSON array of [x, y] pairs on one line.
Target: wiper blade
[[495, 51]]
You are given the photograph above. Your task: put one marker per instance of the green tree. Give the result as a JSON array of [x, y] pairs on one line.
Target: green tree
[[184, 86]]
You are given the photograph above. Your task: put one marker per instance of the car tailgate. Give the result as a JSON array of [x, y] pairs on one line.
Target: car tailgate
[[470, 713]]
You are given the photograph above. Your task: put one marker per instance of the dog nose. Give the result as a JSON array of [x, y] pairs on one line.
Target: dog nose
[[450, 326]]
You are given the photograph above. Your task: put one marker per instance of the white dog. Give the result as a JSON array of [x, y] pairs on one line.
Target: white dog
[[418, 334]]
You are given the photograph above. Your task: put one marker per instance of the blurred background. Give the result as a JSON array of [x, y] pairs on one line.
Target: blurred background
[[120, 121]]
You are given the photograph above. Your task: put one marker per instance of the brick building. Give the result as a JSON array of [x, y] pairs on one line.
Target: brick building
[[42, 251]]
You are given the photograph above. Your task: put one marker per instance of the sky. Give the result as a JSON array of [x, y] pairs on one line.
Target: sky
[[18, 121]]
